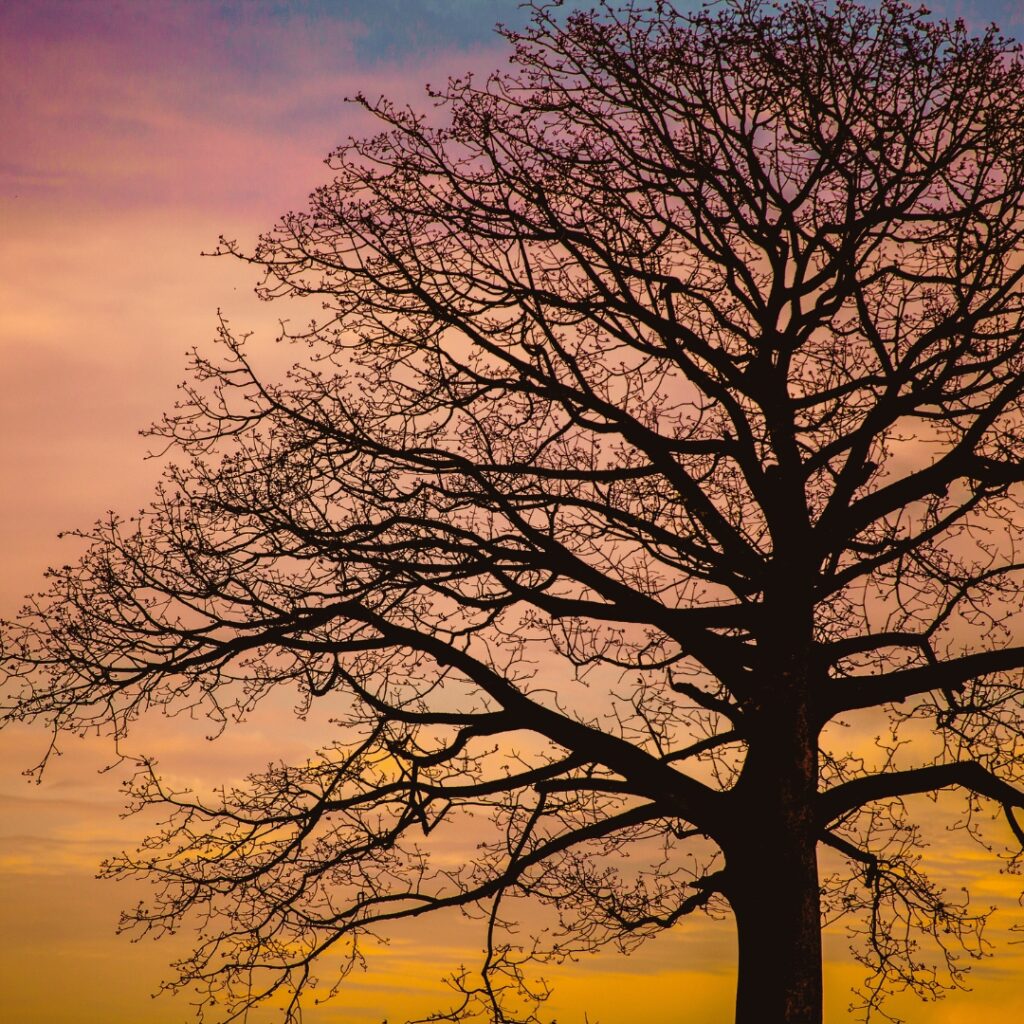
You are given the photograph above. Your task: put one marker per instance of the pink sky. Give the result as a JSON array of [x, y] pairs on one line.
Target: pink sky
[[134, 134]]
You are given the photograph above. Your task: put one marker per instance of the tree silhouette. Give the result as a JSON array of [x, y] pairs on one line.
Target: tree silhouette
[[664, 414]]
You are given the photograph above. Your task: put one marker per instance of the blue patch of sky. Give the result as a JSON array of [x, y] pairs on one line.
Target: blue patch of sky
[[384, 31], [389, 30]]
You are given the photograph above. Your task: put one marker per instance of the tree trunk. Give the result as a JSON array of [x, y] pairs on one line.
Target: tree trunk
[[775, 899], [772, 871]]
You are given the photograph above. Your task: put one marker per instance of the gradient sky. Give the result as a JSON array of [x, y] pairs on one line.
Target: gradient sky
[[134, 132]]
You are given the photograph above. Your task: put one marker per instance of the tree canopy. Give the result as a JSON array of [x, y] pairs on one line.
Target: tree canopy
[[664, 413]]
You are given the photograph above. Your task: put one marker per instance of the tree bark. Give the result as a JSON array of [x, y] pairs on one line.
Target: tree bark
[[776, 904], [772, 873]]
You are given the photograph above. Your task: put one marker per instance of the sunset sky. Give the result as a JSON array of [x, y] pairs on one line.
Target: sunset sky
[[134, 133]]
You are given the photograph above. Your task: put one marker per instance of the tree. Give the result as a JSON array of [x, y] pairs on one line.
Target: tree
[[665, 413]]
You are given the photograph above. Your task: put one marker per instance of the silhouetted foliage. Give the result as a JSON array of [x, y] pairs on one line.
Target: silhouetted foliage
[[664, 414]]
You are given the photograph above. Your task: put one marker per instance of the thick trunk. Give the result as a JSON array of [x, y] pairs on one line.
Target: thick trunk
[[771, 841], [772, 872], [775, 899]]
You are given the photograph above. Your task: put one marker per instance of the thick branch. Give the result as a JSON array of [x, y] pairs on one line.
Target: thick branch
[[971, 775], [851, 693]]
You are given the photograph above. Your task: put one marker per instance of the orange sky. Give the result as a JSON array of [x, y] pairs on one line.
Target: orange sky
[[133, 135]]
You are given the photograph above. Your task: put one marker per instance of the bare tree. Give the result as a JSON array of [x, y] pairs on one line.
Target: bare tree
[[665, 413]]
